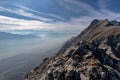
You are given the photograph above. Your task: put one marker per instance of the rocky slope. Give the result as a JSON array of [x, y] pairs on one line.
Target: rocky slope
[[93, 55]]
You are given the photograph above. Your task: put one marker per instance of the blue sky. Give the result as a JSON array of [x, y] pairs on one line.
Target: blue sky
[[29, 16]]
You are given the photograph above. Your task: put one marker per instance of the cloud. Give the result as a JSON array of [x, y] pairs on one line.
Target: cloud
[[31, 15], [42, 13], [107, 13], [9, 23], [78, 6], [24, 13], [73, 25], [27, 12], [21, 24], [92, 13], [103, 4]]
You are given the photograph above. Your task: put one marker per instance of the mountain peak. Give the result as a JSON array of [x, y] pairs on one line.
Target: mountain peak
[[106, 22], [96, 22], [113, 23]]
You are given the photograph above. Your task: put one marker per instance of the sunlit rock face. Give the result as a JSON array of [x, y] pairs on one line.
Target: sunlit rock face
[[94, 55]]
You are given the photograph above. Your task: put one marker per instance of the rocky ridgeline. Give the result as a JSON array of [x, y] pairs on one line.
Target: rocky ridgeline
[[97, 59]]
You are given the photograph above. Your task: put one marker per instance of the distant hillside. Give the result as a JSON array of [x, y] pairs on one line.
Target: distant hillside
[[5, 35]]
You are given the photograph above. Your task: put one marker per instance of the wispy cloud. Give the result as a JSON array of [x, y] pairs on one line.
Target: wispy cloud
[[21, 24], [92, 13], [38, 24], [27, 12], [74, 24], [103, 4], [24, 13], [42, 13], [106, 12], [78, 6]]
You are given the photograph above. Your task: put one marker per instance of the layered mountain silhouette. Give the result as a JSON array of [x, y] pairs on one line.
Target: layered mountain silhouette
[[92, 55], [5, 35]]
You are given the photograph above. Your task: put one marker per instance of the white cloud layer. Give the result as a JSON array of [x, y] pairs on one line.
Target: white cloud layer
[[21, 24], [75, 24]]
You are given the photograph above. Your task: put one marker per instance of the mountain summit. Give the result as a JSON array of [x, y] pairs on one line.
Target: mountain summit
[[93, 55]]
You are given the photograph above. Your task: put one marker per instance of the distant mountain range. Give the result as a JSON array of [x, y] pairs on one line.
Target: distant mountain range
[[5, 35]]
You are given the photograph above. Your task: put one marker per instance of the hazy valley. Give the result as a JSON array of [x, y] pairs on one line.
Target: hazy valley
[[18, 56]]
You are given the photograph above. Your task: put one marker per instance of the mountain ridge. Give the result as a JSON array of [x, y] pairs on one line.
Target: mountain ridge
[[93, 55], [5, 35]]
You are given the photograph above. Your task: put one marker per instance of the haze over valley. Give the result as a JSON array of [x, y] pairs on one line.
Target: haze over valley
[[55, 39], [18, 56]]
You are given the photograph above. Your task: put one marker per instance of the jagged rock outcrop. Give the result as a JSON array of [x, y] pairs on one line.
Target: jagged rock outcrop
[[95, 55]]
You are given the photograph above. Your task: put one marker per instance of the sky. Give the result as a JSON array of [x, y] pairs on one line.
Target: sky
[[62, 16]]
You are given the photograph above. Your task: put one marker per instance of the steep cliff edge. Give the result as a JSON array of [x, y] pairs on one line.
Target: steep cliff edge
[[93, 55]]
